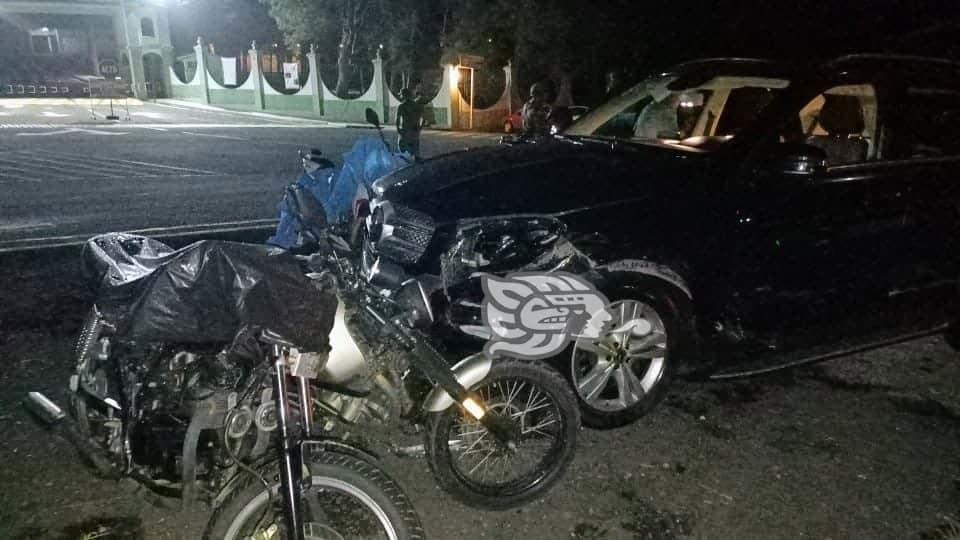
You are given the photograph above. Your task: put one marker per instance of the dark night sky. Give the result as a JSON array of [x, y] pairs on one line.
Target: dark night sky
[[800, 29], [656, 34]]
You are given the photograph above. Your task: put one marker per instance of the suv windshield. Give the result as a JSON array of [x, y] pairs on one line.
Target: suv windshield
[[663, 110]]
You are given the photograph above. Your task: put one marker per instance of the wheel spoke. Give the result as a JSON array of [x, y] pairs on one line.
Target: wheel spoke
[[549, 421], [598, 347], [514, 392], [523, 413], [596, 380], [473, 444], [649, 346], [481, 462], [472, 433], [629, 388]]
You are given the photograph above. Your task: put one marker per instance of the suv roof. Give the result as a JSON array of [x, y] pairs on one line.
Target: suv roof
[[894, 59], [914, 67]]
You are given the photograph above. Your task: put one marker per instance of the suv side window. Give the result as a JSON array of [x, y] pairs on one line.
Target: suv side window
[[842, 121], [621, 125], [925, 123], [742, 106]]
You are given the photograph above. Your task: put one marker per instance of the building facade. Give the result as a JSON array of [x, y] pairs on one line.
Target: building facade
[[43, 42]]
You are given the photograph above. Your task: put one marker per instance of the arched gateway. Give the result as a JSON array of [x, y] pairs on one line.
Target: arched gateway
[[64, 40]]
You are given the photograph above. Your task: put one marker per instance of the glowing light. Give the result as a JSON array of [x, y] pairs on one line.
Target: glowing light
[[475, 409], [44, 29], [454, 76], [686, 104]]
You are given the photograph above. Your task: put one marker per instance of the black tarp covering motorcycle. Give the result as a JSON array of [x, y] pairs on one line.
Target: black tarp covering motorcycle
[[193, 376]]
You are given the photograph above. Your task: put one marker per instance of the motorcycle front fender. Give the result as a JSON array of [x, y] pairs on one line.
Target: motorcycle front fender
[[268, 464], [468, 372]]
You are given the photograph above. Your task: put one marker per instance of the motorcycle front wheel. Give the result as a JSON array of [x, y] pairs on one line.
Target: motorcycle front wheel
[[470, 465], [346, 498]]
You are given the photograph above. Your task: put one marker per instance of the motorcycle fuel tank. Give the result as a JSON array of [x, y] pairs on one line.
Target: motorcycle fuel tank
[[345, 361]]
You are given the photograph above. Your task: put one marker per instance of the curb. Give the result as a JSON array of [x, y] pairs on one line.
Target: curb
[[176, 103], [177, 231]]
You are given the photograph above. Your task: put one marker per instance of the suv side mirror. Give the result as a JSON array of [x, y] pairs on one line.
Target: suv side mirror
[[795, 159]]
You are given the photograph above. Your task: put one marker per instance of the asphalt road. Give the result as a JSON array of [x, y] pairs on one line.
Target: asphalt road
[[67, 173]]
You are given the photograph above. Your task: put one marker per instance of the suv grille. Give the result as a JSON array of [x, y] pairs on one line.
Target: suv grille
[[404, 233]]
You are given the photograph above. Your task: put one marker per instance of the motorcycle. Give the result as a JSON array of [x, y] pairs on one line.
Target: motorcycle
[[497, 433], [194, 376], [393, 383]]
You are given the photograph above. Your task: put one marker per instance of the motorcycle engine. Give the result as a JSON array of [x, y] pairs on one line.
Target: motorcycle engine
[[170, 391], [378, 394]]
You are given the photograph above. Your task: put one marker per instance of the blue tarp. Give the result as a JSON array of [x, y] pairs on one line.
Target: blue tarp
[[337, 190]]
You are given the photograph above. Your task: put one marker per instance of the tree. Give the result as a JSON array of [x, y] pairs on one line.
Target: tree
[[543, 38], [408, 33], [334, 25], [228, 24], [411, 36], [564, 40]]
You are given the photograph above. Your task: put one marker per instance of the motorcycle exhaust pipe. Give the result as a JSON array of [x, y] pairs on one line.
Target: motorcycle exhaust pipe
[[44, 408], [55, 417]]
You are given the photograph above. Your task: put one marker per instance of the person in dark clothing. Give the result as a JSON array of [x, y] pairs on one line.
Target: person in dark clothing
[[536, 111], [409, 123]]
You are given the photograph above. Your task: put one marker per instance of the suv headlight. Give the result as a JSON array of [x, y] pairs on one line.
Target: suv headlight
[[399, 233]]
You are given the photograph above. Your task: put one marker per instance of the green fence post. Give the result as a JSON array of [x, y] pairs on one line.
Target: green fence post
[[380, 89], [202, 71], [256, 76], [315, 79]]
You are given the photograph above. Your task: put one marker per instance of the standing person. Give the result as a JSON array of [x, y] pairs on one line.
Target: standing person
[[409, 123], [536, 110]]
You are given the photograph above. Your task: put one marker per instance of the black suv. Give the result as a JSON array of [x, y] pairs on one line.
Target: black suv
[[750, 215]]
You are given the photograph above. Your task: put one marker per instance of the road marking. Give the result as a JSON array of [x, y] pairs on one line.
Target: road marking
[[48, 166], [46, 133], [25, 226], [18, 166], [192, 125], [73, 167], [150, 115], [6, 179], [118, 160], [71, 130], [43, 242], [228, 137], [194, 108], [157, 129], [33, 126], [51, 114]]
